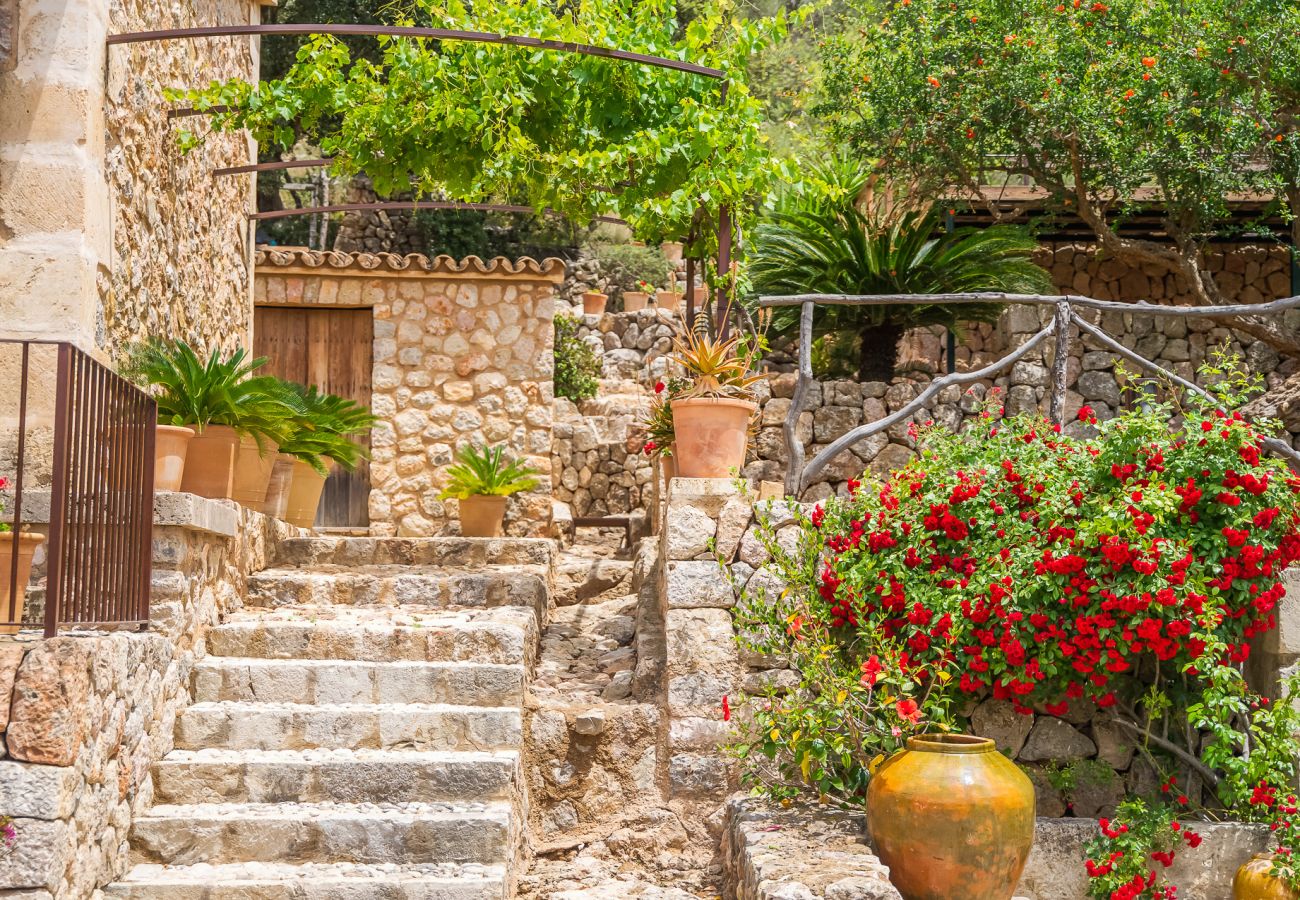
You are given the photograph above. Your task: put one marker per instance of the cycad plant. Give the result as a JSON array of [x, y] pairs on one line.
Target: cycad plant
[[485, 472], [847, 251], [219, 391], [319, 431]]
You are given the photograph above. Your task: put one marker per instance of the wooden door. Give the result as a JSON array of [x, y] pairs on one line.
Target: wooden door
[[332, 349]]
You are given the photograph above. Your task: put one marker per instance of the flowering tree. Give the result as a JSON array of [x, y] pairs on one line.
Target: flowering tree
[[1110, 107], [581, 134]]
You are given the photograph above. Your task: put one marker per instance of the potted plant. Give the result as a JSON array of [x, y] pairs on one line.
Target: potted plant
[[659, 426], [317, 438], [712, 417], [635, 301], [24, 545], [593, 303], [229, 410], [671, 299], [482, 480]]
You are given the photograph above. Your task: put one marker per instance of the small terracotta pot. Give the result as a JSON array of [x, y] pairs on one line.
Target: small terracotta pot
[[672, 251], [253, 470], [170, 443], [635, 300], [669, 464], [1253, 881], [593, 303], [669, 300], [210, 462], [482, 516], [27, 544], [277, 489], [952, 817], [305, 488], [712, 435]]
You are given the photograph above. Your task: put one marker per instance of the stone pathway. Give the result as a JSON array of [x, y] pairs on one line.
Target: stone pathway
[[356, 732]]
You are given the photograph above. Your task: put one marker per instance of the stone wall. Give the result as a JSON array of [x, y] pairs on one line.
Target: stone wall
[[86, 715], [597, 464], [109, 233], [462, 355]]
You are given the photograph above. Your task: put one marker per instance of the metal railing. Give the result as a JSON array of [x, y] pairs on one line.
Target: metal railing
[[1066, 315], [100, 483]]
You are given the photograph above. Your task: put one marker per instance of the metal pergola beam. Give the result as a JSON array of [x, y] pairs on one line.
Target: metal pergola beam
[[415, 204], [274, 166]]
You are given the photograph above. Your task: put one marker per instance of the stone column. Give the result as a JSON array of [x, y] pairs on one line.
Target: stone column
[[54, 202]]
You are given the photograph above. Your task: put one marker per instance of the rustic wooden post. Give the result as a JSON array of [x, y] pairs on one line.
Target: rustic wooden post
[[1060, 363], [793, 447], [722, 305]]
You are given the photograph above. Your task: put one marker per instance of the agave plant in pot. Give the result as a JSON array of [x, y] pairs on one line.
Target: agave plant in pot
[[219, 424], [712, 416], [318, 438], [482, 480]]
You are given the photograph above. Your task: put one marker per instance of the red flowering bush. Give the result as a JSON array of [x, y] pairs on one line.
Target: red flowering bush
[[1042, 568], [1127, 859]]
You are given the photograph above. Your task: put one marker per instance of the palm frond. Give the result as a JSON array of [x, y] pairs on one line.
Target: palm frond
[[486, 472]]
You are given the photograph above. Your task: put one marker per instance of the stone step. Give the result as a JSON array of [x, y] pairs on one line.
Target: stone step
[[465, 553], [339, 776], [396, 585], [312, 881], [504, 635], [218, 678], [293, 726], [398, 833]]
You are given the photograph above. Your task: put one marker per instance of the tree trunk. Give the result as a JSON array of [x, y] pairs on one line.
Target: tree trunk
[[878, 353]]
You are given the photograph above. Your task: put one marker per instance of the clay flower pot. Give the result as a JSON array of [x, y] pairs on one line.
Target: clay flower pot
[[482, 516], [253, 470], [593, 303], [633, 301], [27, 544], [1253, 881], [170, 444], [952, 817], [278, 487], [210, 462], [305, 488], [669, 464], [712, 434], [672, 251], [669, 300]]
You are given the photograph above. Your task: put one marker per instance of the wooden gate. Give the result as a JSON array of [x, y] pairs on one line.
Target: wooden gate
[[332, 349]]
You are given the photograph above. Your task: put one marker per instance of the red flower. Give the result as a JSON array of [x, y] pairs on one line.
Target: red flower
[[650, 447], [907, 709], [659, 387], [1085, 413], [726, 709], [871, 670]]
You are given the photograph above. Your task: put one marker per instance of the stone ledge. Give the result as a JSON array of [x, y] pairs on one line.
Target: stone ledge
[[170, 509]]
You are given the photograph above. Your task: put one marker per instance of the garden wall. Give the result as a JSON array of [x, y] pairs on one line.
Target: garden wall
[[87, 715], [462, 354]]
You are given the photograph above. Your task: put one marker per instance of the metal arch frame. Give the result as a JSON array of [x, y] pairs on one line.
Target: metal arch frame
[[415, 204], [798, 476]]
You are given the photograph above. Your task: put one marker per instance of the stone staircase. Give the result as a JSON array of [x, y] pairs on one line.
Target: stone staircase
[[356, 730]]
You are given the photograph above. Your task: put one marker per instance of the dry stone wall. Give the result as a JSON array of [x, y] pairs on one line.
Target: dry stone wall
[[86, 715], [463, 354]]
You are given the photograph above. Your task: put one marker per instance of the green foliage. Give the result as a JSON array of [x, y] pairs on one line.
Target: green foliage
[[577, 365], [822, 249], [580, 134], [1105, 106], [486, 472], [625, 265], [318, 433], [219, 391]]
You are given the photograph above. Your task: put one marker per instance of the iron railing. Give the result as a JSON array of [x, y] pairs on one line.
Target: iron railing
[[1066, 315], [100, 482]]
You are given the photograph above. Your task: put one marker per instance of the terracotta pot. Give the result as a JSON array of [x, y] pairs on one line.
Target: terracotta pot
[[952, 817], [669, 300], [305, 488], [277, 489], [27, 544], [669, 464], [635, 300], [712, 434], [1253, 881], [593, 303], [672, 251], [253, 470], [482, 516], [210, 462], [170, 443]]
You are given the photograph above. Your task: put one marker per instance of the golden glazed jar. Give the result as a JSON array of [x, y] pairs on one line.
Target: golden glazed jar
[[1253, 882]]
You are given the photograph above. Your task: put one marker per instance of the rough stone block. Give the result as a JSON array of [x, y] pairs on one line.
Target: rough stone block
[[688, 531], [48, 716], [697, 776], [698, 584], [37, 792]]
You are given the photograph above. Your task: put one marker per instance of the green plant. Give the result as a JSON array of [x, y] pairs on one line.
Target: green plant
[[659, 421], [1113, 110], [626, 266], [486, 472], [319, 431], [577, 365], [219, 391], [716, 366], [847, 251]]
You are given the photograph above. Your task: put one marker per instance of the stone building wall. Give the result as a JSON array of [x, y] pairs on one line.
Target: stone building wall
[[462, 354], [86, 716]]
